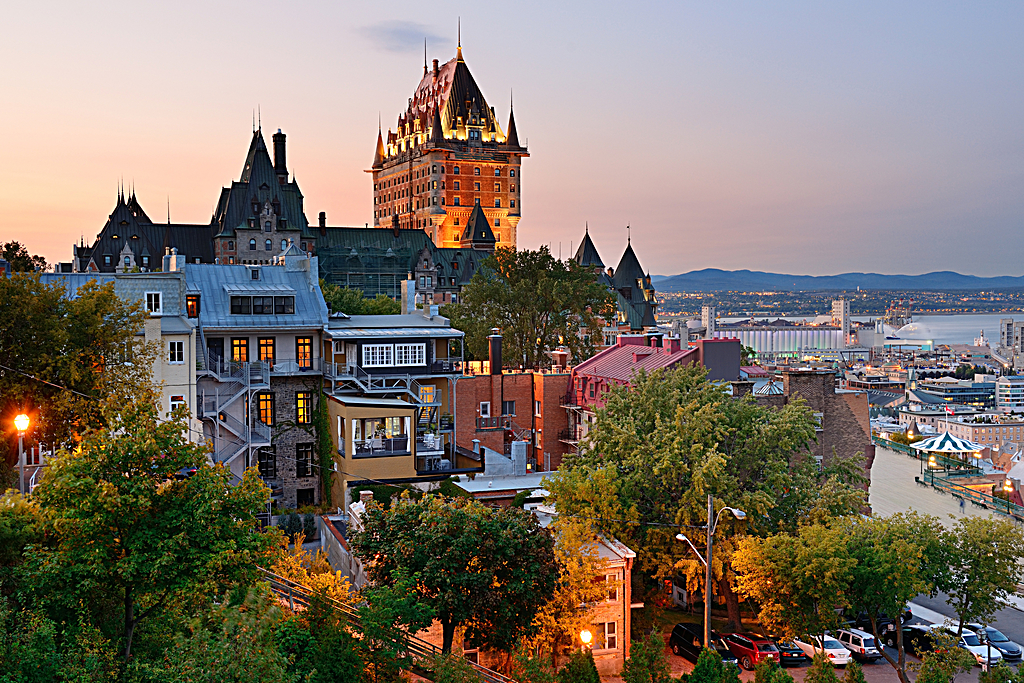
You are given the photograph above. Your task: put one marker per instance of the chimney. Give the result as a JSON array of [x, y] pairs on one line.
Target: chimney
[[494, 344], [409, 295], [323, 222], [365, 497], [561, 358], [173, 262], [394, 224], [280, 165], [436, 70]]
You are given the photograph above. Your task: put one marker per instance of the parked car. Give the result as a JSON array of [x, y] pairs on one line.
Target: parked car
[[860, 644], [751, 649], [1007, 648], [885, 624], [970, 641], [834, 650], [686, 641], [917, 639], [789, 652]]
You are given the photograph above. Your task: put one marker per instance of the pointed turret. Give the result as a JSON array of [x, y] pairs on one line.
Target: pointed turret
[[512, 139], [478, 233], [587, 255], [378, 154], [436, 129]]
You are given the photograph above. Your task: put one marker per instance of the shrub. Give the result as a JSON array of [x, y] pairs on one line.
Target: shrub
[[647, 662], [821, 671], [580, 669], [309, 526], [854, 673], [290, 524], [769, 671]]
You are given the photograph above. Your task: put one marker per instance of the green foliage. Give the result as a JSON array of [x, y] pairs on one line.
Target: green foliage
[[538, 302], [383, 493], [769, 671], [821, 670], [453, 669], [945, 661], [711, 669], [87, 344], [387, 606], [21, 261], [354, 302], [660, 446], [309, 526], [798, 580], [580, 668], [983, 557], [448, 488], [901, 438], [854, 673], [232, 643], [324, 450], [526, 668], [21, 524], [519, 500], [484, 568], [291, 525], [125, 537], [647, 662], [1000, 673]]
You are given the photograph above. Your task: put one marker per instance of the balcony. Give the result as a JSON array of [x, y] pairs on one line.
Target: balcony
[[381, 447], [429, 444], [291, 367], [447, 423], [568, 436], [446, 366], [501, 422], [465, 461]]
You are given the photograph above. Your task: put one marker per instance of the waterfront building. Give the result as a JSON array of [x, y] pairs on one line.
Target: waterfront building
[[447, 155], [979, 392], [1010, 394]]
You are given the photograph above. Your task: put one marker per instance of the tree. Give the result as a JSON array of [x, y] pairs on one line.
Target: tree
[[66, 355], [711, 669], [21, 524], [537, 301], [354, 302], [129, 536], [798, 580], [647, 662], [897, 558], [945, 661], [485, 569], [580, 668], [984, 558], [313, 571], [17, 255], [821, 670], [560, 620], [769, 671], [670, 438], [854, 673]]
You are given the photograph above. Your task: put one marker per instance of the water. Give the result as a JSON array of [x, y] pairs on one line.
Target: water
[[941, 329]]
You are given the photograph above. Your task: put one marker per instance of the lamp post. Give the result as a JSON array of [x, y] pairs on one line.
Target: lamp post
[[585, 637], [21, 423], [1007, 489], [708, 589]]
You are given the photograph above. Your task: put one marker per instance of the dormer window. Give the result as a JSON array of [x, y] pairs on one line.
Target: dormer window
[[255, 274], [266, 226]]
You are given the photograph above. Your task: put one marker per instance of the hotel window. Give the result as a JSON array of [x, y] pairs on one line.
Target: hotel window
[[284, 244], [231, 245], [266, 227], [512, 173], [497, 187], [476, 171], [252, 245], [511, 203], [240, 349], [304, 460], [485, 408], [106, 259], [266, 350], [476, 186], [456, 170], [127, 262], [497, 171], [377, 355], [153, 303], [456, 202], [268, 245], [284, 305], [612, 581], [265, 405], [192, 305], [266, 462], [606, 636], [456, 185], [512, 188], [497, 203], [304, 352], [497, 224], [241, 305], [410, 354], [177, 402], [176, 353], [145, 261], [304, 407]]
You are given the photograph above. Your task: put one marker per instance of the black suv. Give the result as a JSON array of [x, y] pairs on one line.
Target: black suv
[[686, 640]]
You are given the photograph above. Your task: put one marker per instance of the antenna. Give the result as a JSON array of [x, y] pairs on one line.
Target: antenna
[[259, 117], [168, 209], [424, 56], [254, 121], [460, 31], [627, 233]]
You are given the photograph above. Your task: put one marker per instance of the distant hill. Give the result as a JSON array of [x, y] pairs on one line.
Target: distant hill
[[715, 280]]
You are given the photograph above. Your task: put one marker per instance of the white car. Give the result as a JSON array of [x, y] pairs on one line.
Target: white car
[[861, 644], [970, 641], [834, 650]]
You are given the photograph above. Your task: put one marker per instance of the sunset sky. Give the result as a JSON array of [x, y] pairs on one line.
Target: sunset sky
[[808, 138]]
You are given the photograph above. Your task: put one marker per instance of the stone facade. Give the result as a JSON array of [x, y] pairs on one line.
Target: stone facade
[[298, 488]]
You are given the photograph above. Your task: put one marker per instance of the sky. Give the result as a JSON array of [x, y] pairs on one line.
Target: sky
[[799, 137]]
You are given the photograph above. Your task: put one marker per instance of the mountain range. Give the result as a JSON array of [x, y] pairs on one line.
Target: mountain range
[[716, 280]]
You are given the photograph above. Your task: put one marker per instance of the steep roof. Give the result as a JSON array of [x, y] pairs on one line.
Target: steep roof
[[636, 297], [455, 93], [258, 184], [587, 255], [478, 233]]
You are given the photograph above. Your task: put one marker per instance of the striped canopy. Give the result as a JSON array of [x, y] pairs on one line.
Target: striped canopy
[[947, 443]]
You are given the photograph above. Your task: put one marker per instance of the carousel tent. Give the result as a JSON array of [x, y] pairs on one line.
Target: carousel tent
[[947, 443]]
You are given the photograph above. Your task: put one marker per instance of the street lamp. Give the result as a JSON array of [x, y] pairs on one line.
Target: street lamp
[[708, 588], [585, 637], [21, 423], [1008, 489]]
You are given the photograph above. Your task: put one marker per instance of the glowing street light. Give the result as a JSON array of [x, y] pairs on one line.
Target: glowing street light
[[585, 637], [21, 423]]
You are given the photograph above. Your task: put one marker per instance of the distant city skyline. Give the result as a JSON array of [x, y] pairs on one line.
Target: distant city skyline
[[794, 137]]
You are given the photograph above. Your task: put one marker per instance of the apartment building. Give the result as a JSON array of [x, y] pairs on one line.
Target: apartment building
[[260, 331], [1010, 394], [390, 381]]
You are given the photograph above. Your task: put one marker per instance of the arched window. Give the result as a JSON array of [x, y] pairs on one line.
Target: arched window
[[284, 244], [512, 173], [231, 245], [497, 171], [476, 171], [456, 170], [252, 245], [266, 226], [269, 245]]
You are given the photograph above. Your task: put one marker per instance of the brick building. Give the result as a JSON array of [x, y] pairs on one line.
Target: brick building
[[495, 408], [448, 154]]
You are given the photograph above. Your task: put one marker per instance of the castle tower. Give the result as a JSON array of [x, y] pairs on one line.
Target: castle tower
[[447, 155]]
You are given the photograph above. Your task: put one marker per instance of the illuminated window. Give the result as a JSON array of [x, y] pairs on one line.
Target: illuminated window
[[266, 350], [304, 407], [476, 186], [177, 402], [512, 188], [455, 185], [605, 636], [304, 352], [497, 187], [240, 349], [265, 404]]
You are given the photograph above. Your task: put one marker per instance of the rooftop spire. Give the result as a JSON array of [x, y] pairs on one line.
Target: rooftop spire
[[436, 130], [512, 137], [459, 51], [378, 155], [424, 56]]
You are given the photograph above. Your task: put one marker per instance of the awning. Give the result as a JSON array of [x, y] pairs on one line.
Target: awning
[[947, 443]]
